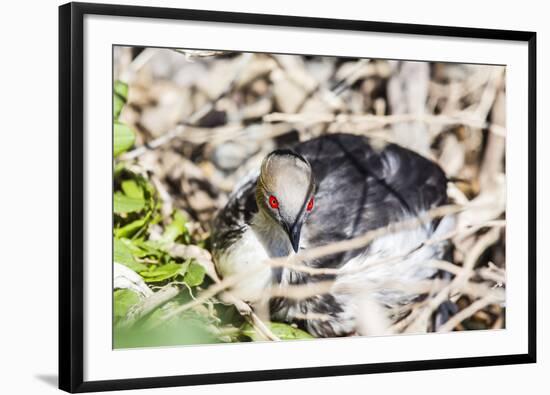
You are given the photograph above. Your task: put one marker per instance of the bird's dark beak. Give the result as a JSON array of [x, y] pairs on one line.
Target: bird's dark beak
[[294, 235]]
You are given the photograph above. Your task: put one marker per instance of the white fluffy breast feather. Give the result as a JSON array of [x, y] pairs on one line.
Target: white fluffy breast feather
[[260, 241], [247, 255], [383, 265]]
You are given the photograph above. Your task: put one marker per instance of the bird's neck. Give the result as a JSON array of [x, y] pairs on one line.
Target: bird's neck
[[273, 238]]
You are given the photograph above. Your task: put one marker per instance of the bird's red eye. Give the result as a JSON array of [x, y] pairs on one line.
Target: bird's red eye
[[273, 202], [310, 205]]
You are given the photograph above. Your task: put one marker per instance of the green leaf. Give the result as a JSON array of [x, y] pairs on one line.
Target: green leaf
[[124, 299], [195, 275], [126, 204], [120, 167], [123, 254], [120, 96], [121, 89], [281, 330], [177, 331], [175, 229], [118, 103], [124, 138], [150, 247], [130, 229], [132, 189], [163, 272]]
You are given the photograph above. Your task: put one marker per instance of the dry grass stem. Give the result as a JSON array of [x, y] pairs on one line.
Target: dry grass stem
[[468, 311]]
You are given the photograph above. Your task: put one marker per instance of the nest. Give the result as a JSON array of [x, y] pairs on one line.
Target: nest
[[204, 119]]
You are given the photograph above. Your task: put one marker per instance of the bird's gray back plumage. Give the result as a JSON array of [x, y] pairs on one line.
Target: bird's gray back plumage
[[361, 188]]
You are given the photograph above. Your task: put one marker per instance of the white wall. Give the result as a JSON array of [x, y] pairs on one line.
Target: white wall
[[28, 190]]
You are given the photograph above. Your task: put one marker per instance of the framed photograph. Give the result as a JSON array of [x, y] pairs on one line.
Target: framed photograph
[[251, 197]]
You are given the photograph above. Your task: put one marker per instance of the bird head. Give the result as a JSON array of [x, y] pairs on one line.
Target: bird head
[[285, 192]]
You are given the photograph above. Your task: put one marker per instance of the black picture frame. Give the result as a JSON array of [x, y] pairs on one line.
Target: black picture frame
[[71, 197]]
